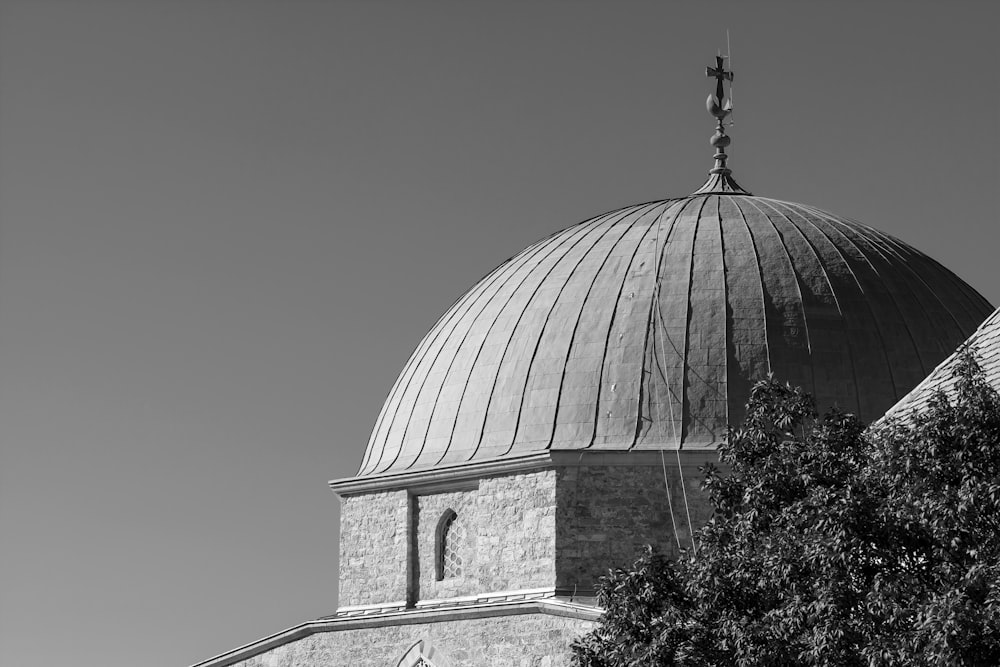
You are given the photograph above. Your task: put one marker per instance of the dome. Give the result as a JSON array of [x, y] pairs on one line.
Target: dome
[[645, 327]]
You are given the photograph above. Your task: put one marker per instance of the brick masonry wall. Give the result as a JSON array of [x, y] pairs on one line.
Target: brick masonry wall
[[606, 514], [527, 640], [373, 548]]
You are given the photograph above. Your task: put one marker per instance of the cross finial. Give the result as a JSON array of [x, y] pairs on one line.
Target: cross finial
[[719, 179], [720, 74]]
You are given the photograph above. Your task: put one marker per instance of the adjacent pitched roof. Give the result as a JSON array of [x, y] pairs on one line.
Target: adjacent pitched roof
[[985, 343]]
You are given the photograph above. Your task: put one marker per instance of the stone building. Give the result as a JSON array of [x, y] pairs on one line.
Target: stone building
[[554, 419]]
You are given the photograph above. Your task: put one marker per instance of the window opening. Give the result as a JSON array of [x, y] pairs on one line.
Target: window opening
[[423, 654], [450, 546]]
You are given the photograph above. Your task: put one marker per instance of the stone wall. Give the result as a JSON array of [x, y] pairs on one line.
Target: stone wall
[[607, 513], [562, 527], [510, 543], [516, 542], [373, 548], [430, 510], [526, 640]]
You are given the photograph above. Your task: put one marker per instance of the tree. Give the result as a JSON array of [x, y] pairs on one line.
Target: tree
[[830, 544]]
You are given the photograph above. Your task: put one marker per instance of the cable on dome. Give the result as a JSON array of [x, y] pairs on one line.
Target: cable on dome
[[670, 406], [658, 315], [663, 460]]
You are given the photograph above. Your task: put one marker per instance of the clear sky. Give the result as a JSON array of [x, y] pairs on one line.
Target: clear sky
[[224, 226]]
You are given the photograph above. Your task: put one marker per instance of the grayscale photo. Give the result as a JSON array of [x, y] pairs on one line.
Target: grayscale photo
[[475, 334]]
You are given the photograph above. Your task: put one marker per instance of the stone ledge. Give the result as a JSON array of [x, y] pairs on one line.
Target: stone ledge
[[367, 609], [549, 606], [584, 596], [418, 481], [499, 596], [434, 476]]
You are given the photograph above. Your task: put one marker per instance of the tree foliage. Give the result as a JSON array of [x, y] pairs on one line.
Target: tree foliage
[[830, 544]]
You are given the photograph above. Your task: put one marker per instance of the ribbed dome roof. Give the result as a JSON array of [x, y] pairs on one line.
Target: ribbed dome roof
[[645, 327]]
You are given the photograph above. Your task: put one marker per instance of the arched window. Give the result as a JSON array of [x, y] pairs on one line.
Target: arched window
[[450, 546], [423, 654]]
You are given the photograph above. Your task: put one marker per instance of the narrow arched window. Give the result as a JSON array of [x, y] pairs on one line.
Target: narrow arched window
[[450, 546]]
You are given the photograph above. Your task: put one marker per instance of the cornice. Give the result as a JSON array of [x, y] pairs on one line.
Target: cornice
[[446, 474], [552, 607], [420, 481]]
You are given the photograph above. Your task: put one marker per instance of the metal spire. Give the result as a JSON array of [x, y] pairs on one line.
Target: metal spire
[[720, 180]]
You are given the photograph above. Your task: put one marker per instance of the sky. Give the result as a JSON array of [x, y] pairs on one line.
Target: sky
[[225, 225]]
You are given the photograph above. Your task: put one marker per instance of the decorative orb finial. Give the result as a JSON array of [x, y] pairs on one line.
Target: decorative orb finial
[[719, 176]]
